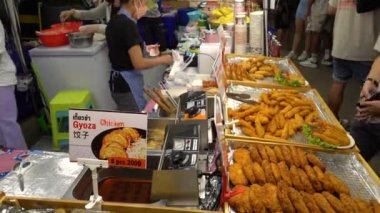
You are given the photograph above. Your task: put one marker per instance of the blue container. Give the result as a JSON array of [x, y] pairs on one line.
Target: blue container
[[183, 19]]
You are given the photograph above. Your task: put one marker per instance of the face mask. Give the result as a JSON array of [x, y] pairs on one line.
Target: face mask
[[140, 11]]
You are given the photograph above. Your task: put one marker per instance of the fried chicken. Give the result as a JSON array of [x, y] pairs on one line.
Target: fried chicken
[[241, 156], [285, 173], [237, 176], [322, 203], [334, 202]]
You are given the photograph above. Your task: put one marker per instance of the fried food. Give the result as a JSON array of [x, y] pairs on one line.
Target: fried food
[[296, 178], [278, 154], [363, 206], [241, 156], [326, 183], [334, 202], [268, 172], [297, 200], [302, 157], [287, 156], [112, 151], [276, 172], [238, 202], [249, 132], [259, 173], [283, 198], [263, 152], [349, 203], [338, 185], [295, 157], [271, 199], [305, 181], [315, 161], [256, 194], [313, 178], [322, 203], [310, 203], [254, 153], [259, 128], [237, 176], [375, 206], [116, 137], [133, 133], [248, 172], [271, 154], [285, 173]]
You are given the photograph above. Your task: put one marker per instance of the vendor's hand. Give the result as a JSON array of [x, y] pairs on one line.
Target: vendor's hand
[[368, 109], [66, 14], [368, 88], [89, 29], [167, 59]]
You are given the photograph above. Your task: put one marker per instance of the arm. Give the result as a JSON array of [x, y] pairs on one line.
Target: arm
[[141, 63], [98, 12]]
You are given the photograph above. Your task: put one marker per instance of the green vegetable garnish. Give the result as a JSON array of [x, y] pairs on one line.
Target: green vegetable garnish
[[307, 131], [281, 80]]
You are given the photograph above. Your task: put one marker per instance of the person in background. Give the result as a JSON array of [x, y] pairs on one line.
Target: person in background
[[151, 26], [10, 132], [126, 55], [353, 40], [315, 23], [326, 37], [105, 10], [301, 15], [366, 127]]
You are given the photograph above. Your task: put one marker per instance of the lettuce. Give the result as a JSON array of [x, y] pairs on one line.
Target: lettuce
[[307, 131], [281, 80]]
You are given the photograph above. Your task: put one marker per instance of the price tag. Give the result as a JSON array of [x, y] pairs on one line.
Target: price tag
[[221, 81], [120, 138]]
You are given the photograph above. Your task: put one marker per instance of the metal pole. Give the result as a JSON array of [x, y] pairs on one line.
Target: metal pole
[[265, 7]]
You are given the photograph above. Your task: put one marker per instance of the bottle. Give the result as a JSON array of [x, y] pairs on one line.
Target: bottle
[[240, 34]]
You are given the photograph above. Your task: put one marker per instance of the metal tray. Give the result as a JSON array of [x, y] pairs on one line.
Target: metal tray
[[350, 167], [255, 93], [283, 63]]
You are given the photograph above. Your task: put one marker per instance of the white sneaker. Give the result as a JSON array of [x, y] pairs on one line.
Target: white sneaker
[[303, 56], [310, 62], [292, 55], [326, 62]]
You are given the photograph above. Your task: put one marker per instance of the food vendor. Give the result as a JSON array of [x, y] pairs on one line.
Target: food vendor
[[126, 55]]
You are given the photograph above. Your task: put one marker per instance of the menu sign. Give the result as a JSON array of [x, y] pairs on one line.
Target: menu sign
[[117, 137]]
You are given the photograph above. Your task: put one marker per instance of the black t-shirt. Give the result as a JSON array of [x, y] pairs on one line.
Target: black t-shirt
[[121, 35]]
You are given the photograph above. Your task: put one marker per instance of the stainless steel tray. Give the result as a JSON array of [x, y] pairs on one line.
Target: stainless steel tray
[[255, 93], [283, 63], [347, 166]]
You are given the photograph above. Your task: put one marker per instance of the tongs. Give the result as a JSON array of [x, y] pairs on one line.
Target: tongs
[[242, 97], [20, 168]]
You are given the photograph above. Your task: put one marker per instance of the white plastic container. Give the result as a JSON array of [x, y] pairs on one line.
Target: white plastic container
[[256, 32], [239, 7], [240, 36]]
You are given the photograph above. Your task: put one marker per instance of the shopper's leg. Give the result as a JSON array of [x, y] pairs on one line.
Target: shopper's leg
[[11, 134], [299, 29], [315, 38], [341, 74], [308, 39]]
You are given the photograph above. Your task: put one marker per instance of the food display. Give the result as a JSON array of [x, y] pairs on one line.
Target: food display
[[115, 143], [156, 138], [282, 114], [264, 70], [288, 179]]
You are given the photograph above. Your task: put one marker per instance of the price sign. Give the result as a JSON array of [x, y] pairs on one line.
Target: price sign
[[221, 81], [120, 138]]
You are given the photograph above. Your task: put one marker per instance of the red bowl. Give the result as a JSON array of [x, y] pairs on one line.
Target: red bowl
[[72, 26], [53, 37]]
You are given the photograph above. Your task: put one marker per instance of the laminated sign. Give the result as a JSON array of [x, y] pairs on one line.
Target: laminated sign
[[117, 137]]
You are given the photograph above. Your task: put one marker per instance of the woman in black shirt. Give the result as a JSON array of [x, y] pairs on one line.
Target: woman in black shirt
[[126, 55]]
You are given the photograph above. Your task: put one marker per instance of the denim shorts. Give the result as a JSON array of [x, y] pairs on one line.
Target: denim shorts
[[343, 70], [302, 9]]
